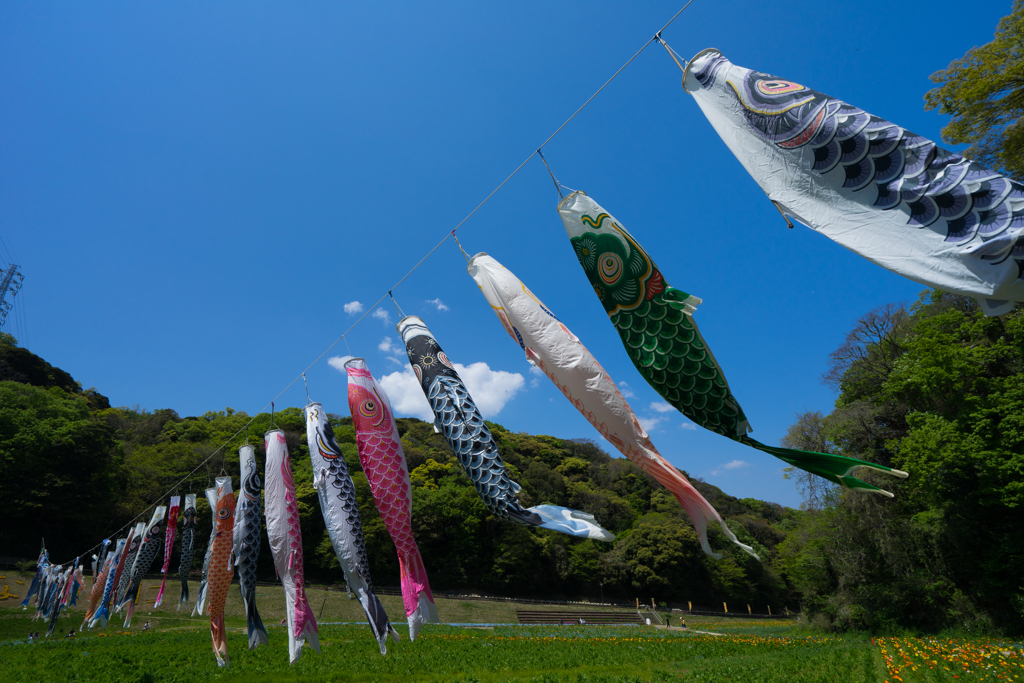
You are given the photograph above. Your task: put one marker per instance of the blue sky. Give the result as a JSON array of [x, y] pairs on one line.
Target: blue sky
[[195, 191]]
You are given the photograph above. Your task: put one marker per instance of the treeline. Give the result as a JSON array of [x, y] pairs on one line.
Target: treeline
[[74, 469], [936, 389]]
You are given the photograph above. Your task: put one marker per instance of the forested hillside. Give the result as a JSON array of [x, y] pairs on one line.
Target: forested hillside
[[935, 389], [74, 469]]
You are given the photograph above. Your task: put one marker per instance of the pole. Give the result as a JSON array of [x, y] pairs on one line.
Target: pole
[[769, 610], [726, 607], [748, 610]]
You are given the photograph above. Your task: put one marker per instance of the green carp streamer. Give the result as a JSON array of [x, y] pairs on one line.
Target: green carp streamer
[[656, 325]]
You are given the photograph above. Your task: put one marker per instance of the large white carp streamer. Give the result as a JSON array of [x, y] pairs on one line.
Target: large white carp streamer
[[284, 533], [550, 346], [879, 190]]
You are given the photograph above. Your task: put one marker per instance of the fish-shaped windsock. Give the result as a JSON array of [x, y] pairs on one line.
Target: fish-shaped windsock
[[148, 551], [285, 535], [457, 419], [879, 190], [33, 588], [56, 602], [77, 586], [247, 542], [222, 569], [337, 496], [172, 524], [383, 462], [115, 559], [211, 498], [655, 322], [125, 571], [101, 565], [188, 535], [550, 346]]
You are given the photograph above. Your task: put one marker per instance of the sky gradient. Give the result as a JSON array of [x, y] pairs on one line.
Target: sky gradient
[[204, 196]]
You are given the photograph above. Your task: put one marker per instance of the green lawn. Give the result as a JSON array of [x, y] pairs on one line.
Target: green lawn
[[178, 649]]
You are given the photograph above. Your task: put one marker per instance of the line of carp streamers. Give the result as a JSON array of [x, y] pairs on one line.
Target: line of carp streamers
[[879, 190]]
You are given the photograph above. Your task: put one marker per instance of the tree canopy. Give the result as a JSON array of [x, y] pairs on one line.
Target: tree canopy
[[984, 93]]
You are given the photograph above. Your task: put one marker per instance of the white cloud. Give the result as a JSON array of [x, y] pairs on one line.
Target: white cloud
[[661, 407], [387, 346], [731, 465], [490, 389], [440, 304], [688, 425], [382, 315], [735, 464], [353, 307], [338, 363], [625, 390], [650, 423], [538, 373]]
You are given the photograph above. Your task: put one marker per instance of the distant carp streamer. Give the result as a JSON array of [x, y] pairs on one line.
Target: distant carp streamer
[[102, 612], [128, 564], [383, 462], [149, 548], [655, 322], [457, 419], [247, 542], [285, 536], [188, 533], [337, 496], [222, 569], [879, 190], [101, 567], [172, 524], [550, 346], [211, 498]]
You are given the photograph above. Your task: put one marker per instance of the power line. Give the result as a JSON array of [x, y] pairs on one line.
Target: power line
[[652, 39]]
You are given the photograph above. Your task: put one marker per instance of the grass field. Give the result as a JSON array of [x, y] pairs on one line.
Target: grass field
[[177, 648]]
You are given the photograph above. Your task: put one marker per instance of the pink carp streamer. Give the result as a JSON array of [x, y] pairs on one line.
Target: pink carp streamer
[[285, 536], [172, 524], [383, 462], [550, 346]]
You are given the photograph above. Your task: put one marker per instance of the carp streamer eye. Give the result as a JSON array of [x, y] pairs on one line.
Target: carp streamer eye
[[223, 513], [610, 268], [368, 408], [778, 87]]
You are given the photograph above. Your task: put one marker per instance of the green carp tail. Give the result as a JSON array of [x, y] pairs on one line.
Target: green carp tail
[[835, 468]]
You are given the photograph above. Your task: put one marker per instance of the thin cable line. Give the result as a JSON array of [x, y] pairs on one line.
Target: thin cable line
[[301, 375]]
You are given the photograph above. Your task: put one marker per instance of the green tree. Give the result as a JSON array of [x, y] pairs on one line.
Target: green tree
[[984, 93]]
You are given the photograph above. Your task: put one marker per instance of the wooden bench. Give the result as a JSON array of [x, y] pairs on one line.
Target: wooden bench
[[573, 617]]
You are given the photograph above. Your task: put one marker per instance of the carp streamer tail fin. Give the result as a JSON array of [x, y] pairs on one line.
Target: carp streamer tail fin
[[571, 522], [160, 593], [257, 633], [218, 632], [379, 621], [416, 595], [184, 593], [835, 468]]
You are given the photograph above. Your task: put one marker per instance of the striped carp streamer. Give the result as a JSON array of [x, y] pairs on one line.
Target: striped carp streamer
[[101, 566], [149, 548], [188, 534], [211, 498], [459, 421], [172, 524], [655, 322], [285, 536], [102, 612], [337, 496], [33, 588], [222, 569], [383, 462], [879, 190], [124, 572], [550, 346], [247, 542]]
